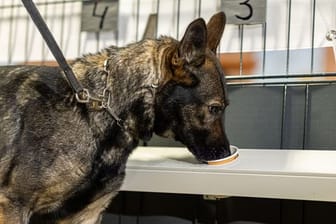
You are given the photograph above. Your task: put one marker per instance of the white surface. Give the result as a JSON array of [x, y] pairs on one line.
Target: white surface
[[286, 174]]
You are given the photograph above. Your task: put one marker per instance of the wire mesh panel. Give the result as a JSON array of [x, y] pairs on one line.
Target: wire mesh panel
[[279, 38], [292, 41], [20, 40]]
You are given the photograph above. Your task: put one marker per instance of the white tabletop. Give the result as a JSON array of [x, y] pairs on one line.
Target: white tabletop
[[285, 174]]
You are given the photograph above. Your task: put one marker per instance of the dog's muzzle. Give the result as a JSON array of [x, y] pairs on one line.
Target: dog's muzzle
[[204, 154]]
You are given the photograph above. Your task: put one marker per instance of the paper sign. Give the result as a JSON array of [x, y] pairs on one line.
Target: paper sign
[[244, 11]]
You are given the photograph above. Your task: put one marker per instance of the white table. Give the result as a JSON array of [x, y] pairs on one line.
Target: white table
[[283, 174]]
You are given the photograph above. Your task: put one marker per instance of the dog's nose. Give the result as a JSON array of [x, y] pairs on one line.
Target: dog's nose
[[220, 153], [226, 147]]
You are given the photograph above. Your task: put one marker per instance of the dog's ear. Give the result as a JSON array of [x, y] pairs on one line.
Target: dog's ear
[[193, 44], [215, 29], [191, 51]]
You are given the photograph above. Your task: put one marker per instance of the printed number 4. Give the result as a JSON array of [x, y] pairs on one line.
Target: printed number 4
[[246, 3]]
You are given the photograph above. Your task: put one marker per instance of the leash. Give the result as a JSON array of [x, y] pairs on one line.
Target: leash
[[82, 94]]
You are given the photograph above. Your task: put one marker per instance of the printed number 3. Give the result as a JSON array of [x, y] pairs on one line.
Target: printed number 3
[[250, 11]]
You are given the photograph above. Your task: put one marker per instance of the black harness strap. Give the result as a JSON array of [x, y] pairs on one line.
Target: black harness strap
[[81, 93]]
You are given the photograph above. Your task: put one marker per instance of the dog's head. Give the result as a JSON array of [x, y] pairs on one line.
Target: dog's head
[[190, 106]]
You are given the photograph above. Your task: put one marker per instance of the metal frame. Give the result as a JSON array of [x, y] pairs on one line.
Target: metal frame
[[15, 4]]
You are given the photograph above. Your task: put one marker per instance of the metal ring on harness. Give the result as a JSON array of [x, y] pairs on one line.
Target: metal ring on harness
[[83, 96]]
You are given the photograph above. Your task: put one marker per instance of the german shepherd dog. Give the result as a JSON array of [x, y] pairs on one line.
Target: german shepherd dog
[[62, 161]]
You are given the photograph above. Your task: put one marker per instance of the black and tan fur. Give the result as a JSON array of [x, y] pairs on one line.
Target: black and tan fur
[[63, 162]]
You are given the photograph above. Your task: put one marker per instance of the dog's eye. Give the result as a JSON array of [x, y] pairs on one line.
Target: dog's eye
[[215, 109]]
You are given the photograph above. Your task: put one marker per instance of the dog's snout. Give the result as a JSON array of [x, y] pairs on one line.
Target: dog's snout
[[222, 152], [226, 151], [227, 145]]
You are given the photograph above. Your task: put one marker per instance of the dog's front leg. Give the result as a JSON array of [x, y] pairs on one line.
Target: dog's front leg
[[91, 214], [10, 213]]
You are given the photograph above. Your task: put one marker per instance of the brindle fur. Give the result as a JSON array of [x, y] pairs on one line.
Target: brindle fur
[[63, 162]]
